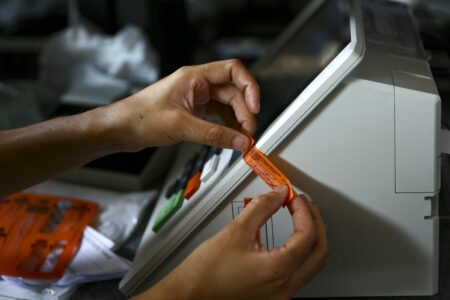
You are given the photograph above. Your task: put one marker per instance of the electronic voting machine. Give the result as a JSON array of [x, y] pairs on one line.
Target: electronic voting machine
[[350, 113]]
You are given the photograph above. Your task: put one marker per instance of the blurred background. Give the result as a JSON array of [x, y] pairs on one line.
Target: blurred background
[[60, 57], [39, 44]]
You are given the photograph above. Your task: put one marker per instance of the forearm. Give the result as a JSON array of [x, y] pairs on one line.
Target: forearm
[[31, 154], [163, 293], [171, 287]]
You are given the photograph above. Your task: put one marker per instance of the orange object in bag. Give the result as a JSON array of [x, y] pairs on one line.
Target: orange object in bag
[[40, 234]]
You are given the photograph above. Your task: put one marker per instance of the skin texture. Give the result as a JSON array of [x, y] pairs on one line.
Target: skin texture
[[230, 265], [234, 265]]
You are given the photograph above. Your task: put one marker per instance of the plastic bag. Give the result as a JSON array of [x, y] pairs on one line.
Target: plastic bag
[[119, 214], [81, 53]]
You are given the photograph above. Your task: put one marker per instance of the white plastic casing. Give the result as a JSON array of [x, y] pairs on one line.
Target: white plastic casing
[[366, 149]]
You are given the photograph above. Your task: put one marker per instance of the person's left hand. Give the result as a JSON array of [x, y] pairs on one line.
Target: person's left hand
[[233, 264], [169, 110]]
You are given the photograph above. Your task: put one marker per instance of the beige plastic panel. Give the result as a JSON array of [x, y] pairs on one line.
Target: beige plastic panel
[[417, 126]]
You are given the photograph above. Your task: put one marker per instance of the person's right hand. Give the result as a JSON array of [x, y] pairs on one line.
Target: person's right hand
[[234, 265]]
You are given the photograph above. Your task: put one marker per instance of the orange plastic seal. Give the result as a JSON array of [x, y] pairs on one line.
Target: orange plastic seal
[[40, 234], [267, 171]]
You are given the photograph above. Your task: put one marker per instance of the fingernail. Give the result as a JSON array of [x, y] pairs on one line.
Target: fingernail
[[240, 143]]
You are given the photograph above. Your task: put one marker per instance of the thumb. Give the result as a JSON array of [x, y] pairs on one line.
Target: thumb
[[261, 208], [204, 132]]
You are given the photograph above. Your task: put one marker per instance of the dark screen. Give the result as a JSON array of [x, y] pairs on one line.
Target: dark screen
[[307, 52]]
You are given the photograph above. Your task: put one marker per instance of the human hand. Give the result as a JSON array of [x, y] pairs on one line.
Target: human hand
[[169, 110], [161, 114], [234, 265]]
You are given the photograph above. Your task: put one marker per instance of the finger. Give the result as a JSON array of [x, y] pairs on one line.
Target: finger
[[225, 113], [315, 261], [261, 208], [230, 95], [204, 132], [318, 220], [224, 72], [301, 241]]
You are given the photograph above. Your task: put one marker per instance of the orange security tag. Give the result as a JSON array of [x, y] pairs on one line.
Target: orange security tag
[[40, 234], [267, 171], [258, 233]]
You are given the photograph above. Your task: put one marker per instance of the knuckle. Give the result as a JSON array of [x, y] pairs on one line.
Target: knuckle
[[198, 84], [214, 136], [234, 99], [183, 71], [234, 62]]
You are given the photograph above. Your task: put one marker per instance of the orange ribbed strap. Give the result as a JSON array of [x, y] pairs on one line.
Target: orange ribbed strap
[[267, 171]]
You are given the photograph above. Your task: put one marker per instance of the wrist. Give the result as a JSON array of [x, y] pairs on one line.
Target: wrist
[[101, 128], [171, 288]]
